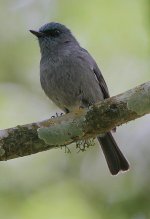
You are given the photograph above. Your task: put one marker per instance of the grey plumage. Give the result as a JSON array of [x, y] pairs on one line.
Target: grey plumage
[[71, 78]]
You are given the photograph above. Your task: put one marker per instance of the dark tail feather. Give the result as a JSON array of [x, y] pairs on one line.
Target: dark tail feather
[[114, 157]]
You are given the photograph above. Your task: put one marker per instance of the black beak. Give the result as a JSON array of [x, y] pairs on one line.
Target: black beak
[[37, 33]]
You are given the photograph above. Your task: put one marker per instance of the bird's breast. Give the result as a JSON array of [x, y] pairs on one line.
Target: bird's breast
[[60, 84]]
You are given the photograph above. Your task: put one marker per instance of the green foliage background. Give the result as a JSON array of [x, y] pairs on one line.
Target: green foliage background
[[53, 184]]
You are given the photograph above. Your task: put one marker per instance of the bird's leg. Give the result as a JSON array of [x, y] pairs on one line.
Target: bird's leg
[[57, 115]]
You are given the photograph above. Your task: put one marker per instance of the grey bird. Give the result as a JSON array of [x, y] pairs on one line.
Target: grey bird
[[71, 78]]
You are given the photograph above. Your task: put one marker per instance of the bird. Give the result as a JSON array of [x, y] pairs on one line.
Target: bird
[[71, 78]]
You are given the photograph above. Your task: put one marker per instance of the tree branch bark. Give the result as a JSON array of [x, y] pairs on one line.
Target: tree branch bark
[[78, 125]]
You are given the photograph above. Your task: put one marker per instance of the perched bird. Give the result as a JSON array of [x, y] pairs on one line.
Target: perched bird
[[71, 78]]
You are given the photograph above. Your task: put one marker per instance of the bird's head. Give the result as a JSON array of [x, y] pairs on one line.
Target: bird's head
[[53, 35]]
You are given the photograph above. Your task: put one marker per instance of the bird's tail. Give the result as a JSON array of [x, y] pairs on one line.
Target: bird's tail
[[114, 157]]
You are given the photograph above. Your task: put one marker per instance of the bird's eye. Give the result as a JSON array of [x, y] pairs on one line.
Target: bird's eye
[[53, 33]]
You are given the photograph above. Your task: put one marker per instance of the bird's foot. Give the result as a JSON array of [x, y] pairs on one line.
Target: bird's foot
[[57, 115]]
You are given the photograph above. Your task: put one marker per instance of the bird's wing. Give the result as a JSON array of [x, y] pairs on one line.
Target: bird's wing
[[102, 82], [97, 73]]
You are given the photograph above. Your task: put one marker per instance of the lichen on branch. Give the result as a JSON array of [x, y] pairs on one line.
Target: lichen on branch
[[81, 124]]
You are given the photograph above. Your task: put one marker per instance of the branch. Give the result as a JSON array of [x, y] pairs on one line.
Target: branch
[[78, 125]]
